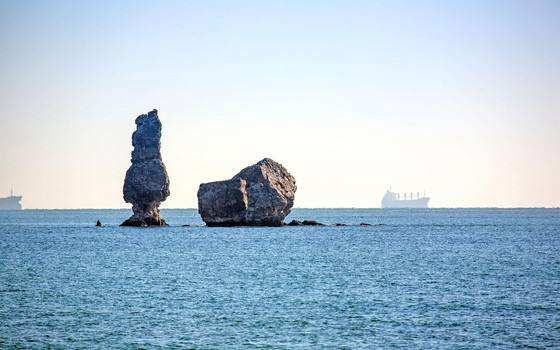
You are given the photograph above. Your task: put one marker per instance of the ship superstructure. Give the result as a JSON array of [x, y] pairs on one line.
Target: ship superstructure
[[11, 203], [406, 200]]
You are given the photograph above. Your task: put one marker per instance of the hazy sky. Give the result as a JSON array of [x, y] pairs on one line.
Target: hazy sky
[[458, 98]]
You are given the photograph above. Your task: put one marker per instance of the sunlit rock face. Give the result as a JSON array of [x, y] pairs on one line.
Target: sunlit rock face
[[260, 195], [146, 184]]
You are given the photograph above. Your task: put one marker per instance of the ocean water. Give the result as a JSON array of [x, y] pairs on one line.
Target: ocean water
[[415, 279]]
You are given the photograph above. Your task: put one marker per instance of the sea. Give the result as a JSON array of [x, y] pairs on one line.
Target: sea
[[411, 279]]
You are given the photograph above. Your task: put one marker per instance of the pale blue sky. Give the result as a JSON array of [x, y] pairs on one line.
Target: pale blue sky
[[458, 98]]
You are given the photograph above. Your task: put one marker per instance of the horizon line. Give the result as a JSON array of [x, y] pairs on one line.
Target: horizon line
[[307, 208]]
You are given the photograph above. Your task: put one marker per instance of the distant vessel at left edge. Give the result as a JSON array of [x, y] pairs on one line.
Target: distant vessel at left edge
[[11, 203]]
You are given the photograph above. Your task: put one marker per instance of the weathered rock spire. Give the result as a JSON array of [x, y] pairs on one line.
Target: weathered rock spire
[[146, 184]]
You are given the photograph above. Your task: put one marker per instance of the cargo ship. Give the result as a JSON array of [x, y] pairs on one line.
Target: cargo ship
[[11, 203], [395, 200]]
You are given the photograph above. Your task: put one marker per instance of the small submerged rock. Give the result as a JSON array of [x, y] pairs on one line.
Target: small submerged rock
[[98, 224], [259, 195], [294, 223], [304, 223], [311, 223]]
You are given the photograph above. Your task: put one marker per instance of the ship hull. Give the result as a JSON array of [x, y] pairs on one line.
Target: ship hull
[[10, 203], [406, 203]]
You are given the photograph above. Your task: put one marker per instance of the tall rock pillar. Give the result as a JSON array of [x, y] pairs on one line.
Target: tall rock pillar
[[146, 184]]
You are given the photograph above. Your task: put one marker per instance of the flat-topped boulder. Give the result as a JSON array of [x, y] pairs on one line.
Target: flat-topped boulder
[[259, 195], [146, 184]]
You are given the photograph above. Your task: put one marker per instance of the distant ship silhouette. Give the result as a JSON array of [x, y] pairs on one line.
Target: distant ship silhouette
[[11, 203], [394, 200]]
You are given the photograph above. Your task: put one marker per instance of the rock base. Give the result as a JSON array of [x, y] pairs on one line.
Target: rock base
[[245, 223], [146, 222]]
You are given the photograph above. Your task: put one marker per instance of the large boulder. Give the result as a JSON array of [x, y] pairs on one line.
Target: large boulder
[[260, 195], [146, 184]]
